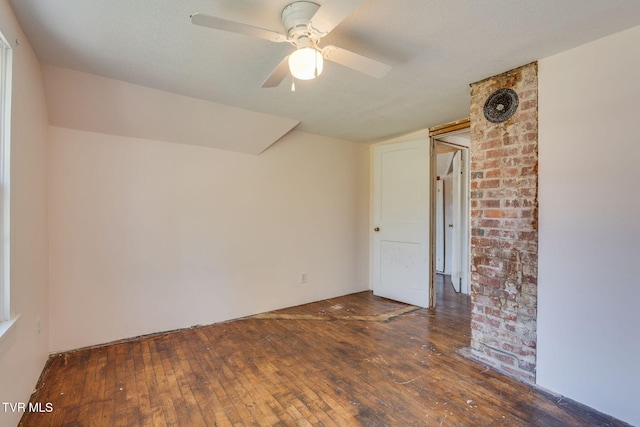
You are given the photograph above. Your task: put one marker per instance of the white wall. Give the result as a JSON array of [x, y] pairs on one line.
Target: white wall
[[151, 236], [24, 351], [589, 286]]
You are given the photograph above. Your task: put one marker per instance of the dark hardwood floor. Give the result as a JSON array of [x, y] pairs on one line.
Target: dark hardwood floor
[[357, 360]]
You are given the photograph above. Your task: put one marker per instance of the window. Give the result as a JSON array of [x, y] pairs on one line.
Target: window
[[5, 134]]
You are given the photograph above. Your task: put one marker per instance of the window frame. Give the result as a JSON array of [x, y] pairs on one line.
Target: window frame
[[5, 146]]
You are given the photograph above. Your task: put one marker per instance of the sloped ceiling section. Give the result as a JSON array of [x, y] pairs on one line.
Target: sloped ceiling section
[[92, 103]]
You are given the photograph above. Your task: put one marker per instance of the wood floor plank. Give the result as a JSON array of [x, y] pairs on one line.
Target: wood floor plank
[[132, 397], [184, 406], [236, 390], [211, 375], [357, 360], [299, 379], [192, 387], [138, 384], [162, 379]]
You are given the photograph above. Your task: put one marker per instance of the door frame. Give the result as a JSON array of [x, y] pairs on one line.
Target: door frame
[[435, 135], [440, 226]]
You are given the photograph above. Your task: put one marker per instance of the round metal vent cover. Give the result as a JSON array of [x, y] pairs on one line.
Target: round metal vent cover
[[501, 105]]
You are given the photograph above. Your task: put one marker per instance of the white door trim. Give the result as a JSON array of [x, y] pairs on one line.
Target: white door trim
[[464, 145]]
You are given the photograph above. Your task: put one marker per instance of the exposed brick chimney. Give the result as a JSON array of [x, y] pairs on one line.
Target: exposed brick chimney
[[504, 221]]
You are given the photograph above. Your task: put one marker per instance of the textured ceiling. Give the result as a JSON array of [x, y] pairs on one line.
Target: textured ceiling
[[436, 48]]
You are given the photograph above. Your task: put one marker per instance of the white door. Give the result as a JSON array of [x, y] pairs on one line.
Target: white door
[[400, 259], [440, 226], [456, 238]]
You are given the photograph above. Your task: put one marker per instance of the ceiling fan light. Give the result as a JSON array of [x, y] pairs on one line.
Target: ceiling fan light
[[305, 63]]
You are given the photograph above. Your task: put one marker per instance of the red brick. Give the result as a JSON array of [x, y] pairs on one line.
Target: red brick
[[488, 271], [504, 220], [489, 281], [488, 183], [485, 164], [500, 213], [478, 156], [476, 194], [491, 311], [489, 144], [529, 94], [527, 105], [489, 203], [495, 193], [511, 161], [493, 322], [489, 223]]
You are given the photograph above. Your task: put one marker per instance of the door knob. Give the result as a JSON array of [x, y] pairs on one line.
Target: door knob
[[376, 229]]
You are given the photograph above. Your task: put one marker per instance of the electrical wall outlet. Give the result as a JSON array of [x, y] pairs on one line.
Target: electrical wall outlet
[[38, 326], [303, 277]]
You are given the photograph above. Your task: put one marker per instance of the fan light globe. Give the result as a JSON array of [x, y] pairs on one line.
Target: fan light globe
[[305, 63]]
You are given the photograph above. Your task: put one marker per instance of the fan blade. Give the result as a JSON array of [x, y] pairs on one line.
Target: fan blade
[[277, 75], [236, 27], [331, 13], [356, 62]]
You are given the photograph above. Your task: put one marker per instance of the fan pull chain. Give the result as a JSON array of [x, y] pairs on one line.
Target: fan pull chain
[[293, 84]]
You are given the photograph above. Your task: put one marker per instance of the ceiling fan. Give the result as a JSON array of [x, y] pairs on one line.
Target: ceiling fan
[[305, 23]]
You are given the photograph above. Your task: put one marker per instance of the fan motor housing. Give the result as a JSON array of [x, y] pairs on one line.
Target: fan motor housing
[[296, 17]]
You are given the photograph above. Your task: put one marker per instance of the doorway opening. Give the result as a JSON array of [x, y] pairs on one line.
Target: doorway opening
[[403, 243], [450, 210]]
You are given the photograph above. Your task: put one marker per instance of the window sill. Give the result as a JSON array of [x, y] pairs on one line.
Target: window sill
[[7, 334]]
